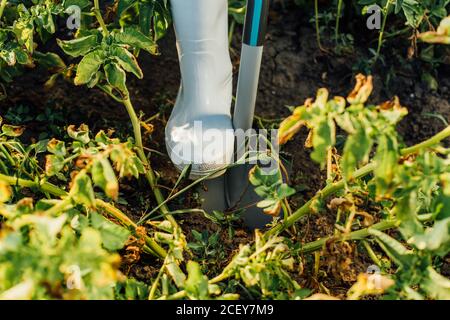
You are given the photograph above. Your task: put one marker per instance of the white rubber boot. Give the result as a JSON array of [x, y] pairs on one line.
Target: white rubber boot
[[200, 130]]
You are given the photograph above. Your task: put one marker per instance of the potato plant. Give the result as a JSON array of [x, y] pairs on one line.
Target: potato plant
[[390, 19], [65, 225]]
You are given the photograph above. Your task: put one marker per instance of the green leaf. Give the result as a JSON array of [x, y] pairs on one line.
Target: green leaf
[[24, 31], [406, 211], [23, 57], [356, 150], [5, 191], [175, 272], [386, 158], [270, 187], [79, 3], [53, 164], [196, 285], [113, 236], [49, 60], [412, 12], [57, 147], [161, 19], [394, 249], [9, 57], [12, 131], [430, 81], [103, 176], [124, 5], [323, 139], [116, 78], [145, 17], [136, 39], [259, 177], [80, 134], [88, 67], [284, 191], [436, 285], [435, 239], [82, 191], [134, 290], [132, 166], [127, 61], [80, 46]]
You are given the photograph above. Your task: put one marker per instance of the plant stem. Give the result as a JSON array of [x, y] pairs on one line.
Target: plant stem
[[151, 295], [316, 13], [45, 186], [231, 31], [7, 155], [149, 174], [338, 19], [181, 294], [383, 27], [2, 7], [123, 218], [335, 187], [359, 234], [98, 15], [371, 253], [328, 190], [110, 209], [330, 165], [325, 192], [60, 206], [427, 143]]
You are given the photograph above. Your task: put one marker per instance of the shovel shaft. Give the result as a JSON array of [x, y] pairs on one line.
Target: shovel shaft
[[247, 89], [251, 55]]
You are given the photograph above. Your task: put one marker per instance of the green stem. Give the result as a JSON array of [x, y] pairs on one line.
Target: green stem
[[123, 218], [45, 186], [2, 7], [110, 209], [181, 294], [427, 143], [328, 190], [72, 157], [359, 234], [60, 206], [149, 174], [338, 19], [231, 31], [325, 192], [371, 253], [7, 155], [383, 27], [316, 13], [98, 15], [335, 187]]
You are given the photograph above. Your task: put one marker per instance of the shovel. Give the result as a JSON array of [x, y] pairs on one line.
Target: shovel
[[233, 191]]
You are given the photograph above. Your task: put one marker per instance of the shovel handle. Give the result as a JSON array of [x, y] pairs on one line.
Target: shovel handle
[[256, 22], [255, 28]]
